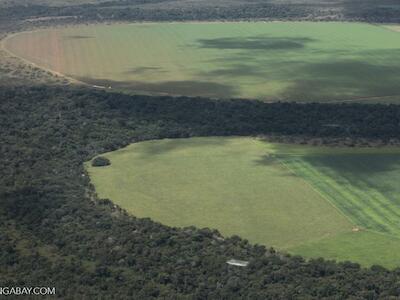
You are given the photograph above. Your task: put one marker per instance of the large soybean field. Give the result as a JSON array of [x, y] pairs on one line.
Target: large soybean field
[[271, 61], [331, 202]]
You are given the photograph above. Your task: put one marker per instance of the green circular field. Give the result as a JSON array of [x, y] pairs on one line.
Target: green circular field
[[338, 203], [294, 61]]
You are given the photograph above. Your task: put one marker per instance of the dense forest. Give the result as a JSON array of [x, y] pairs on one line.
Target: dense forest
[[386, 11], [54, 230]]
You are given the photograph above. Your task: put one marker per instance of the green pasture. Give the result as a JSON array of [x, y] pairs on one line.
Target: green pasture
[[338, 203], [368, 248], [364, 186], [294, 61]]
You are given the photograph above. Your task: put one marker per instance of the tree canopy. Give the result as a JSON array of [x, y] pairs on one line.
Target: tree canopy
[[100, 161]]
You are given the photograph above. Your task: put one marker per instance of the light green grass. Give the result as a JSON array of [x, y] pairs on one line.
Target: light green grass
[[301, 199], [364, 185], [367, 248], [300, 61], [220, 183]]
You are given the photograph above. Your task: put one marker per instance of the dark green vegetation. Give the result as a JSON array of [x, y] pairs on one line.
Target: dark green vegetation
[[49, 12], [369, 10], [54, 231], [100, 161]]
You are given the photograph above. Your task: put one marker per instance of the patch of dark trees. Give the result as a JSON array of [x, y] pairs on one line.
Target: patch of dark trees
[[54, 231], [387, 11], [100, 161]]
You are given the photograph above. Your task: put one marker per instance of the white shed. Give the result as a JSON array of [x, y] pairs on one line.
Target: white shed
[[237, 263]]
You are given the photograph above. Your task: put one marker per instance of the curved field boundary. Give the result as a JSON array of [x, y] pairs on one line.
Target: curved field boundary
[[30, 63], [178, 88], [296, 198]]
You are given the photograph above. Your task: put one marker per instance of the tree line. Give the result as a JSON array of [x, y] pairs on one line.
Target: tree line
[[387, 11]]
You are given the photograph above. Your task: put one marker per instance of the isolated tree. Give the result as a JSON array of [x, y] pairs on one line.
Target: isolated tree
[[100, 161]]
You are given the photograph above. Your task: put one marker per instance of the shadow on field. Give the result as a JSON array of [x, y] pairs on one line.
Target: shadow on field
[[358, 164], [150, 149], [297, 71], [177, 88], [145, 70], [255, 43], [332, 78], [271, 161], [238, 70], [346, 80], [380, 172]]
